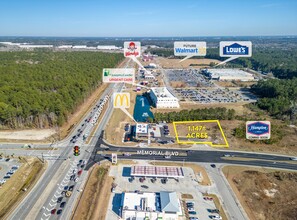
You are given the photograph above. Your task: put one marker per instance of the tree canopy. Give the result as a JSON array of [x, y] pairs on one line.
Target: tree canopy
[[40, 88]]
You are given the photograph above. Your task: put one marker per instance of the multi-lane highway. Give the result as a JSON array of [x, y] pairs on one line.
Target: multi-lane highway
[[46, 194]]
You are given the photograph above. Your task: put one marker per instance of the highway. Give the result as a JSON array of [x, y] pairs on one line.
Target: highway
[[43, 197], [35, 206]]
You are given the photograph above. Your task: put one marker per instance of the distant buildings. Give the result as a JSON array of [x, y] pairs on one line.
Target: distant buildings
[[147, 205], [108, 47], [229, 75], [162, 98], [62, 47]]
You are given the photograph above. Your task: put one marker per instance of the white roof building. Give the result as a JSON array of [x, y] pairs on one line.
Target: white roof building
[[107, 47], [230, 74], [162, 98], [147, 205]]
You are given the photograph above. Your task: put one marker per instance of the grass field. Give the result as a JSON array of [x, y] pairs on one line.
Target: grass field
[[264, 193], [92, 204]]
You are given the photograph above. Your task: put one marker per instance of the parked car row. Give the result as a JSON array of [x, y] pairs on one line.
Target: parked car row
[[9, 174]]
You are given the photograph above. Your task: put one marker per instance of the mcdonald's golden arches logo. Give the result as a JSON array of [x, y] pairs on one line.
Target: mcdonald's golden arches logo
[[121, 100]]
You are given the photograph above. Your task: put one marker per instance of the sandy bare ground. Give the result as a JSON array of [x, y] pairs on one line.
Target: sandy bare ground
[[32, 134], [174, 63]]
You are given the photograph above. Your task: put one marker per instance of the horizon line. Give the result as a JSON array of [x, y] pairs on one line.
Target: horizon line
[[289, 35]]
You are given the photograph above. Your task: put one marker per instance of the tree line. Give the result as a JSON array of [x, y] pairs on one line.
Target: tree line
[[278, 97], [41, 88], [196, 114]]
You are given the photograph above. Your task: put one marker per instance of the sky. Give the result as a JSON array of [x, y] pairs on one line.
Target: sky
[[150, 18]]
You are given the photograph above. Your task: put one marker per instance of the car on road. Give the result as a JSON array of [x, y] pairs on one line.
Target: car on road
[[79, 172], [59, 211], [215, 217], [293, 158], [53, 211], [213, 210], [213, 165], [167, 157], [190, 209], [62, 204], [66, 188], [192, 213], [15, 167], [144, 186], [227, 155], [193, 218]]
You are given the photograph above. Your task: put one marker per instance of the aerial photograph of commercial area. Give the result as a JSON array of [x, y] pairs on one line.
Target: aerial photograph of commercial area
[[148, 110]]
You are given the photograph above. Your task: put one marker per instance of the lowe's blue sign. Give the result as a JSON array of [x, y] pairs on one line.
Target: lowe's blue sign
[[235, 49], [258, 130]]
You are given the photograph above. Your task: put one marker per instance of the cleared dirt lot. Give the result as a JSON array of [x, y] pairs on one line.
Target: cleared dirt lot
[[11, 193], [92, 204], [264, 193], [175, 64]]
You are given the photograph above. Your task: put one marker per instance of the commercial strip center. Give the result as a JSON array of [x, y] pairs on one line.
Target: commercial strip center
[[148, 191]]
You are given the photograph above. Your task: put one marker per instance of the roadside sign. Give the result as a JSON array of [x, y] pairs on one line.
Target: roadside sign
[[258, 130], [114, 158]]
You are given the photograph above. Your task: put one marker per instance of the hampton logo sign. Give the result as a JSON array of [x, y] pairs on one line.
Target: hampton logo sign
[[235, 49], [258, 130]]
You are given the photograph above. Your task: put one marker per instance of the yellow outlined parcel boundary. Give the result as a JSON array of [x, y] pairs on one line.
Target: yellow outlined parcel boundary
[[226, 144]]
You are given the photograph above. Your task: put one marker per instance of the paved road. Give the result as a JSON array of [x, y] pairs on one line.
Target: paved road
[[58, 182], [57, 176]]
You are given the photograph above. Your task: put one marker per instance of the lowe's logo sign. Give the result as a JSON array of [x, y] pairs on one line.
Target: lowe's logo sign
[[235, 49], [258, 130]]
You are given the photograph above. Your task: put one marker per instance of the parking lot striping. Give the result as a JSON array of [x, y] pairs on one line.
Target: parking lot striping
[[52, 205], [200, 142]]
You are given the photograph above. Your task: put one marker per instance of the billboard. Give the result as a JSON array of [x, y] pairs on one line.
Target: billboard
[[258, 130]]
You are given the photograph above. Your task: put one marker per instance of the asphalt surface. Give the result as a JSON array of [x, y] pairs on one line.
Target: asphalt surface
[[60, 169]]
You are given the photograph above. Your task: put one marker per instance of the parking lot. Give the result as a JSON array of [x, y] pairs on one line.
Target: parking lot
[[214, 95], [191, 77], [8, 168], [200, 209]]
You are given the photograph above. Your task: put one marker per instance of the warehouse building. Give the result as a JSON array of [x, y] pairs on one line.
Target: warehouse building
[[229, 75], [162, 98], [147, 205]]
